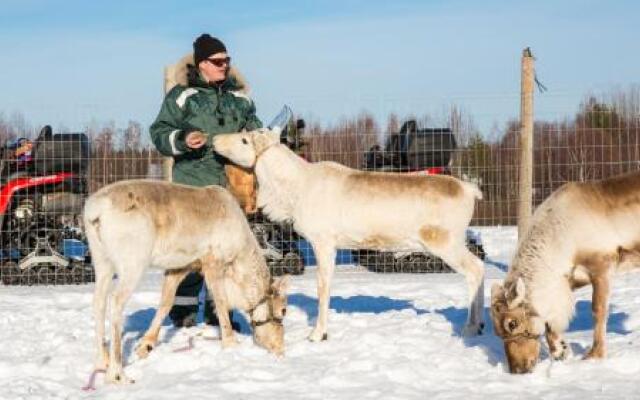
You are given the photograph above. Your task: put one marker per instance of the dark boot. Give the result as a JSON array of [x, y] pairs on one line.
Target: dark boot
[[183, 317], [185, 309]]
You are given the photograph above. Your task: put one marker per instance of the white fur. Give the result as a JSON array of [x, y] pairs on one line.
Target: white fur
[[320, 200], [125, 239], [563, 225]]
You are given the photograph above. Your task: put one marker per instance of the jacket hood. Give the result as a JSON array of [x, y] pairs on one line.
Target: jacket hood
[[185, 73]]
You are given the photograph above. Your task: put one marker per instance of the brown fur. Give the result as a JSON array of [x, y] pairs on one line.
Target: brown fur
[[434, 236], [510, 322], [514, 326], [175, 219], [394, 184], [576, 282], [242, 184], [598, 267], [615, 199], [590, 268], [629, 256], [595, 263], [378, 242], [214, 276], [165, 203], [610, 195], [522, 354], [599, 308]]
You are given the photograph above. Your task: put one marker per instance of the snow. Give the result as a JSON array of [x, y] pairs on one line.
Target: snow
[[391, 336]]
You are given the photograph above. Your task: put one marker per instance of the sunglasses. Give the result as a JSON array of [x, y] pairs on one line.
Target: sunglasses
[[219, 62]]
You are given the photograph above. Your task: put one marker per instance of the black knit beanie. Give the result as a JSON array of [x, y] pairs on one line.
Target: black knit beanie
[[205, 46]]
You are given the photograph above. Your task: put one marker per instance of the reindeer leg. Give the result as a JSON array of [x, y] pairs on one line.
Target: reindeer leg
[[172, 279], [325, 256], [557, 346], [104, 277], [461, 260], [214, 278], [599, 307], [473, 270], [127, 281]]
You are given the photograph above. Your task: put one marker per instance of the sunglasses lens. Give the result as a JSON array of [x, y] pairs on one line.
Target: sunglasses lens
[[219, 62]]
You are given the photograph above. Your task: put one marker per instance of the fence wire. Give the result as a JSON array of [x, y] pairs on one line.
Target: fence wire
[[44, 182]]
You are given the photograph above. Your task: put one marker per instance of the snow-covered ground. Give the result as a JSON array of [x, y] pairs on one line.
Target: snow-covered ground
[[391, 336]]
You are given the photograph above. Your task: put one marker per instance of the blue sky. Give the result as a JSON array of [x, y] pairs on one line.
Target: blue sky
[[69, 63]]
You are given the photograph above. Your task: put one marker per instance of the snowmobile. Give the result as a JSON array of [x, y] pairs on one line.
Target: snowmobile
[[416, 151], [42, 191], [279, 240], [279, 245]]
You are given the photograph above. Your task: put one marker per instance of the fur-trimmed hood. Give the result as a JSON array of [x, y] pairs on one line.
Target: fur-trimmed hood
[[178, 74]]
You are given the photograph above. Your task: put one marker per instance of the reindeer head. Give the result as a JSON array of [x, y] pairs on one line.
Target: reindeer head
[[518, 325], [244, 148], [267, 315]]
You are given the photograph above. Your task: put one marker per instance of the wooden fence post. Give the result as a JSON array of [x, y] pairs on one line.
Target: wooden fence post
[[525, 182], [169, 83]]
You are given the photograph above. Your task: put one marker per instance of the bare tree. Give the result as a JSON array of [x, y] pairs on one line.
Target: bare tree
[[132, 136]]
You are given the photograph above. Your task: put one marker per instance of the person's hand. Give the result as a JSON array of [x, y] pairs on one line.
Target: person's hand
[[195, 139]]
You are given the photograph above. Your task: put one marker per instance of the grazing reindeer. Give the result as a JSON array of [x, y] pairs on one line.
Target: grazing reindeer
[[580, 235], [333, 207], [132, 225]]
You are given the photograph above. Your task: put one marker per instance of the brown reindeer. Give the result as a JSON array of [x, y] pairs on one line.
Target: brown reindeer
[[580, 235]]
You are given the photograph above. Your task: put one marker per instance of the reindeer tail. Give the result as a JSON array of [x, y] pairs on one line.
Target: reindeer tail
[[473, 189]]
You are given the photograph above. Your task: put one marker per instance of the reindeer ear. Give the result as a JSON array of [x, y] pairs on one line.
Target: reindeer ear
[[260, 141], [517, 294], [281, 285], [274, 134]]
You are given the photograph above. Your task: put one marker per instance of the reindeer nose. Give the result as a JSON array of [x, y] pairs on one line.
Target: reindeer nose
[[526, 368], [278, 350]]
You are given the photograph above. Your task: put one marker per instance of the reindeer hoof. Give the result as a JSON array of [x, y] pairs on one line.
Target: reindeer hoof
[[563, 354], [314, 337], [118, 378], [596, 353], [144, 349], [229, 343]]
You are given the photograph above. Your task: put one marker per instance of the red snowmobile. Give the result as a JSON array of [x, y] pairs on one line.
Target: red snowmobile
[[42, 191]]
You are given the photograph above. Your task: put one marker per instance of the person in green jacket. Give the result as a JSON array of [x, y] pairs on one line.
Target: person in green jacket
[[209, 99]]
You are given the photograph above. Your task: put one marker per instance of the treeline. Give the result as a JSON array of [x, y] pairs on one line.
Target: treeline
[[600, 140]]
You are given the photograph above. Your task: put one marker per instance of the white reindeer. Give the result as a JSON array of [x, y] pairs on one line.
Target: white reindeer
[[133, 225], [580, 235], [333, 207]]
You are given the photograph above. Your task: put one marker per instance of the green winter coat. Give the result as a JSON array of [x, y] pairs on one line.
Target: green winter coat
[[210, 108]]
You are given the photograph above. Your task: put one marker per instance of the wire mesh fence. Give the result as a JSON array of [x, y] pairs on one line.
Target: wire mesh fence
[[44, 181]]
